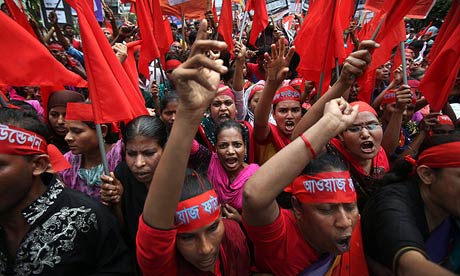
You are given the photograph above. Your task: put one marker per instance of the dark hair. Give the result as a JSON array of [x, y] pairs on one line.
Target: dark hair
[[230, 124], [416, 45], [195, 184], [67, 25], [416, 74], [111, 136], [147, 126], [192, 36], [172, 24], [23, 119], [325, 162], [166, 99], [24, 106]]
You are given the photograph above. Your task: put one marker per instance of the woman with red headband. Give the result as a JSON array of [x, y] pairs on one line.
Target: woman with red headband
[[412, 226], [181, 231], [321, 235]]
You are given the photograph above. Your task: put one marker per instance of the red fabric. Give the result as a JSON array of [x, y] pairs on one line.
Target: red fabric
[[286, 93], [379, 161], [319, 42], [172, 64], [440, 77], [19, 17], [441, 156], [79, 112], [254, 72], [157, 253], [363, 106], [46, 93], [421, 9], [278, 138], [161, 30], [281, 249], [28, 62], [197, 212], [226, 92], [260, 20], [254, 90], [225, 28], [130, 64], [326, 187], [112, 93], [18, 141], [444, 120], [149, 47], [189, 9], [390, 97], [57, 160]]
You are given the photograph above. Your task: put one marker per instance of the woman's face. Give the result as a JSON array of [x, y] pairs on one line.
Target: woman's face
[[168, 115], [364, 143], [445, 191], [142, 157], [81, 138], [201, 247], [287, 115], [56, 119], [230, 149], [222, 109], [254, 100]]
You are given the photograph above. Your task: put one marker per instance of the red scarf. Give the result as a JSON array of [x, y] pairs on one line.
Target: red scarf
[[278, 138]]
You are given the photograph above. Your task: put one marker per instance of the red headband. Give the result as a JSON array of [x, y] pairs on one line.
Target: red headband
[[227, 92], [254, 90], [55, 46], [441, 156], [79, 112], [363, 107], [286, 93], [18, 141], [197, 212], [390, 97], [296, 82], [326, 187], [445, 120]]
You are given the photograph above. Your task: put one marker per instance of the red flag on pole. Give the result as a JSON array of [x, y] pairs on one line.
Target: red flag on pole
[[27, 62], [161, 29], [149, 47], [225, 28], [19, 16], [260, 20], [440, 77], [319, 42], [113, 95], [191, 9], [130, 63]]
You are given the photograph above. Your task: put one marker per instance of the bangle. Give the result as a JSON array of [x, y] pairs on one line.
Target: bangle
[[307, 143]]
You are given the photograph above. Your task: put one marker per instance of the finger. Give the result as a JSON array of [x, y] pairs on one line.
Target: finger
[[368, 45], [202, 46], [225, 211], [290, 54], [274, 51], [200, 61], [230, 208], [202, 31], [183, 75], [282, 46]]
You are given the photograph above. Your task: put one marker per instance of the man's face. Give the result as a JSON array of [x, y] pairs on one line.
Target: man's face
[[60, 56], [16, 174], [69, 31], [287, 115]]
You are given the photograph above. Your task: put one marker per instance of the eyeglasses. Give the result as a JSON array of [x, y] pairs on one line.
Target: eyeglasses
[[369, 126]]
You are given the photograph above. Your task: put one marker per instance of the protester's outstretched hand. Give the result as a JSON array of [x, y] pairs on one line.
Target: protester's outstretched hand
[[278, 62], [341, 112], [198, 77], [356, 63], [240, 50], [403, 97], [111, 190], [429, 121], [52, 17], [121, 52], [231, 213], [398, 77]]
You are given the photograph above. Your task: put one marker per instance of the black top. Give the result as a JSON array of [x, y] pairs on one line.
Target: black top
[[70, 234], [394, 221]]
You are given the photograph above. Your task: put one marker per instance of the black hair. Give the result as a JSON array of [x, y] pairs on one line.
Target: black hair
[[24, 119], [110, 138], [167, 98], [172, 24], [147, 126], [24, 106], [195, 184], [192, 37], [416, 74], [67, 25], [325, 162], [416, 45], [230, 124]]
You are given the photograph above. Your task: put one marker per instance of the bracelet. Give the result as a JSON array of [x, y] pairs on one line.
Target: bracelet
[[307, 143]]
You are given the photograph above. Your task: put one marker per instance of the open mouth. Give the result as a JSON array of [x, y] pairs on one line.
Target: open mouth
[[289, 125], [231, 162], [224, 117], [367, 147], [344, 244]]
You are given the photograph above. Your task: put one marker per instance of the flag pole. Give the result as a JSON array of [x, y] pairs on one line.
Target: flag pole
[[243, 26], [403, 58], [162, 75], [100, 139]]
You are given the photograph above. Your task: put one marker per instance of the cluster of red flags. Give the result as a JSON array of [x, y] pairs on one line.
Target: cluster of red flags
[[260, 20], [225, 27]]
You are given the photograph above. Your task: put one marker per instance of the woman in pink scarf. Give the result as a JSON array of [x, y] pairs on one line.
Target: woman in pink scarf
[[227, 170]]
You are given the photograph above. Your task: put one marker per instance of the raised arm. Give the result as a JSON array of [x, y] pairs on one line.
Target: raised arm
[[277, 70], [238, 80], [196, 84], [353, 67], [259, 205]]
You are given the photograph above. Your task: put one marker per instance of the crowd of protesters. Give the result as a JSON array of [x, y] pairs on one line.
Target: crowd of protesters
[[240, 169]]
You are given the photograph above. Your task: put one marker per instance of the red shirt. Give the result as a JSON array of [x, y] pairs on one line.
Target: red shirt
[[157, 255], [280, 249], [254, 74]]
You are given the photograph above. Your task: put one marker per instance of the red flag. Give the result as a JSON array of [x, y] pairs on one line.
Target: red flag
[[226, 24], [319, 42], [161, 29], [113, 95], [191, 9], [130, 63], [421, 9], [440, 77], [260, 20], [149, 48], [27, 62], [19, 16]]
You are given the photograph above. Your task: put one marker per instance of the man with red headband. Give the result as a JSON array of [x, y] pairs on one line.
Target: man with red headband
[[412, 225], [46, 229], [322, 234]]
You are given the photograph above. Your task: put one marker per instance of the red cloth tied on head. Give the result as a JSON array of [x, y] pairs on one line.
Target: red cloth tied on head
[[172, 64], [390, 97], [227, 92], [444, 120], [363, 107], [196, 212], [56, 46], [441, 156], [297, 82], [254, 90], [326, 187], [18, 141], [414, 84], [409, 53], [79, 112], [286, 93]]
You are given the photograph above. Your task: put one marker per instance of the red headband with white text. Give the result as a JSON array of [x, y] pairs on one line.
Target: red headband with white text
[[197, 212], [326, 187]]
